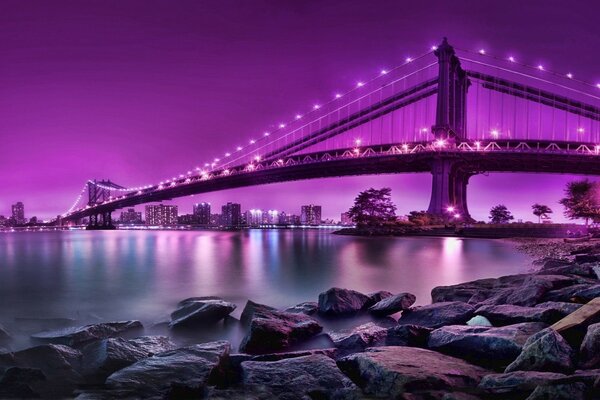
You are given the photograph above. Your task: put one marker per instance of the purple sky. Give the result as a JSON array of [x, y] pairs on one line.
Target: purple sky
[[137, 91]]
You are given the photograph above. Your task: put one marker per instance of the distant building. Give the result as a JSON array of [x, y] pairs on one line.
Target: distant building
[[254, 217], [231, 214], [18, 213], [272, 217], [187, 219], [293, 219], [131, 217], [283, 219], [215, 219], [202, 213], [161, 214], [346, 219], [310, 215], [3, 221]]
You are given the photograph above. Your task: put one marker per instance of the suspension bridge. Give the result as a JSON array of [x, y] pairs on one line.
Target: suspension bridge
[[449, 112]]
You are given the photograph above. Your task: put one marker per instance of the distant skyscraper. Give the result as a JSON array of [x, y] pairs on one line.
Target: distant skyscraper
[[272, 217], [310, 215], [18, 213], [161, 214], [131, 217], [215, 219], [231, 214], [202, 213], [254, 217]]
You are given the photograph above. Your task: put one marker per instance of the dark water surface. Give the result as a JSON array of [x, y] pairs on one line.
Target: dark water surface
[[111, 275]]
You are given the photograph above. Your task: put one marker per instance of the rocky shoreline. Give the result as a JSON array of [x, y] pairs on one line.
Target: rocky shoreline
[[528, 336]]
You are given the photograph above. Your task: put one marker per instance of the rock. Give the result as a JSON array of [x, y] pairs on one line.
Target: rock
[[183, 372], [80, 335], [391, 372], [437, 314], [580, 270], [376, 297], [250, 308], [196, 312], [407, 335], [308, 377], [479, 320], [555, 262], [565, 294], [393, 304], [4, 335], [16, 383], [462, 291], [586, 258], [557, 391], [336, 302], [587, 294], [561, 307], [589, 354], [486, 346], [272, 331], [518, 382], [308, 308], [103, 357], [544, 351], [359, 338], [532, 289], [508, 314]]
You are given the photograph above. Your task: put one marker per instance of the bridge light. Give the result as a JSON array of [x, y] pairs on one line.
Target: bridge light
[[257, 158], [482, 52], [495, 133], [511, 59], [440, 142], [457, 216], [226, 172], [598, 85], [580, 130], [434, 48], [477, 145], [206, 164], [227, 154], [409, 59], [298, 116], [357, 141], [217, 160], [405, 147], [383, 72], [360, 84], [316, 107], [280, 161], [541, 67], [252, 141], [570, 75], [266, 134], [337, 95], [239, 148], [450, 209]]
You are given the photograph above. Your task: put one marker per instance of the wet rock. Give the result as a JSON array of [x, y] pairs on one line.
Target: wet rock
[[586, 294], [359, 338], [250, 308], [551, 263], [337, 302], [486, 346], [508, 314], [308, 377], [196, 312], [589, 354], [272, 331], [517, 383], [308, 308], [16, 383], [391, 372], [585, 271], [184, 371], [437, 314], [463, 291], [560, 391], [376, 297], [393, 304], [407, 335], [103, 357], [80, 335], [544, 351], [479, 320], [586, 258], [533, 289], [565, 294], [561, 307]]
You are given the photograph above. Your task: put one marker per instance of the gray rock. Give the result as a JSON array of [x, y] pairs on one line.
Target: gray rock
[[376, 297], [544, 351], [561, 307], [250, 308], [479, 320], [463, 291], [308, 308], [580, 270], [272, 331], [589, 354], [486, 346], [558, 391], [508, 314], [437, 314], [587, 258], [393, 304], [407, 335], [339, 302], [587, 294], [196, 312], [183, 372], [17, 382], [518, 382], [391, 372], [308, 377], [565, 294], [551, 263], [81, 335], [359, 338]]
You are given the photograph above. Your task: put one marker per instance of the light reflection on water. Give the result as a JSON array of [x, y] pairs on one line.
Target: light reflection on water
[[143, 274]]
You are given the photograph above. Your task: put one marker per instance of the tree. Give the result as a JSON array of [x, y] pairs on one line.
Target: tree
[[373, 207], [581, 200], [541, 210], [423, 218], [500, 215]]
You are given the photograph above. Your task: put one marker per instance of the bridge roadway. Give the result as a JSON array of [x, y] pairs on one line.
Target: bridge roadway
[[464, 159]]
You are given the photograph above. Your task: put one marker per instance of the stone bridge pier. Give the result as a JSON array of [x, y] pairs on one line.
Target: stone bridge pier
[[449, 189]]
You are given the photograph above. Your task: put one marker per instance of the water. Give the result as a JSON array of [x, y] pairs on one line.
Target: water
[[114, 275]]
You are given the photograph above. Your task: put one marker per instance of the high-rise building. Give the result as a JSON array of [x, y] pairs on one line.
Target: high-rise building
[[131, 216], [231, 214], [346, 220], [3, 221], [215, 219], [310, 215], [18, 213], [202, 213], [272, 217], [283, 218], [254, 217], [161, 214], [294, 219]]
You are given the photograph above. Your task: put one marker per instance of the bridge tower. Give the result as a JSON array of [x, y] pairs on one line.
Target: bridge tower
[[99, 192], [449, 183]]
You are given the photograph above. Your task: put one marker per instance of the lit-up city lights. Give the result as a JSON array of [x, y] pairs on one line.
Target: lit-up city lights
[[495, 133]]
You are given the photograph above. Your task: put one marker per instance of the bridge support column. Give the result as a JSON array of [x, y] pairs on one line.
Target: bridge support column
[[100, 221], [449, 189]]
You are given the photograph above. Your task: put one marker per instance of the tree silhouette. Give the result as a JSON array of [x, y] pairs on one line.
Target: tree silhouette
[[581, 200], [373, 207], [500, 215], [541, 210]]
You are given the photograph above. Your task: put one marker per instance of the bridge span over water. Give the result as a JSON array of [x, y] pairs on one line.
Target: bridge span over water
[[449, 112]]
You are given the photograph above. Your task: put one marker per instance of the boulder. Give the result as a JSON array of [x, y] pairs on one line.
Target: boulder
[[578, 270], [272, 331], [339, 302], [532, 289], [183, 372], [78, 336], [551, 263], [586, 258], [437, 314], [394, 371], [508, 314], [463, 291], [544, 351], [250, 308], [561, 307], [197, 312], [565, 294], [308, 308], [17, 382], [479, 320], [517, 383], [560, 391], [589, 354], [587, 294], [393, 304], [103, 357], [407, 335], [4, 335], [486, 346], [309, 377], [376, 297], [359, 338]]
